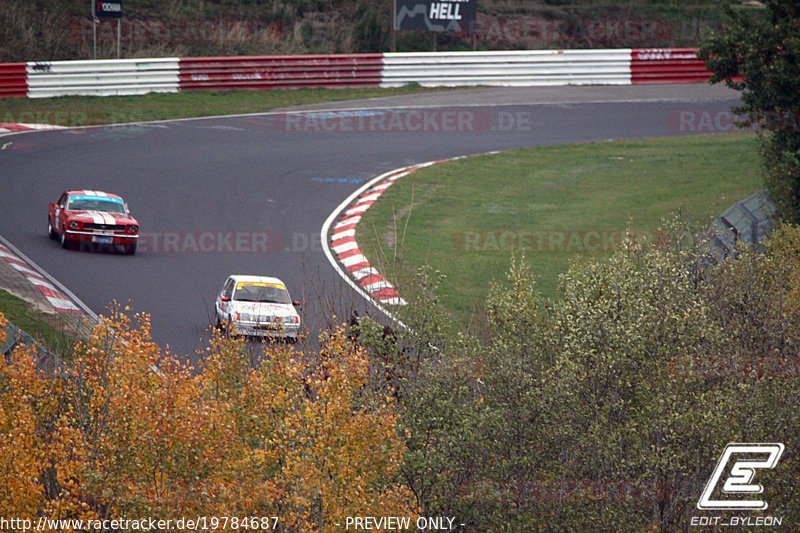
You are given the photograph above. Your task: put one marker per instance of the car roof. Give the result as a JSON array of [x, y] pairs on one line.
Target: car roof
[[255, 279], [91, 192]]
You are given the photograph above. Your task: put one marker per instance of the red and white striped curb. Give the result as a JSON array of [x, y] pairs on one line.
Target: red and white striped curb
[[345, 247], [60, 302], [15, 128]]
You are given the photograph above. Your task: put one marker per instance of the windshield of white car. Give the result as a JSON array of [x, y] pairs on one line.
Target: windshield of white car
[[96, 204], [261, 293]]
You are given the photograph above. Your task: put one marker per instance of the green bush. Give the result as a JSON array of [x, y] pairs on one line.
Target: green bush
[[607, 410]]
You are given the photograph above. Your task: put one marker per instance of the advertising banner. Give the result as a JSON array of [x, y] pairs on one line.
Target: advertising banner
[[434, 15], [108, 9]]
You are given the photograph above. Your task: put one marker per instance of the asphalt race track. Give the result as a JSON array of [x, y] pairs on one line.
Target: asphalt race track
[[249, 194]]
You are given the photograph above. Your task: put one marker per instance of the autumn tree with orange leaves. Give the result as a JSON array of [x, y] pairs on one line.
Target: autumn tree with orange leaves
[[130, 431]]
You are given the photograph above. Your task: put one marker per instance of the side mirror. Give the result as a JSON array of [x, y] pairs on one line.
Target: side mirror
[[224, 299], [296, 303]]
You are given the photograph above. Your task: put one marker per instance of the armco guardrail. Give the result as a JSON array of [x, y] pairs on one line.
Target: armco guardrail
[[102, 77], [281, 72], [13, 79], [677, 65], [514, 68], [432, 69]]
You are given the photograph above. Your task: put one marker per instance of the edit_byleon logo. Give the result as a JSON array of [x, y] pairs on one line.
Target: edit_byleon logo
[[737, 492]]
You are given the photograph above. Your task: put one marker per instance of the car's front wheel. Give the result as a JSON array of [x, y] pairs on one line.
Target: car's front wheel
[[64, 240], [130, 249]]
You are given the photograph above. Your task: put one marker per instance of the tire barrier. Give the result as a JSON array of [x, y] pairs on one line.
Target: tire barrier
[[431, 69]]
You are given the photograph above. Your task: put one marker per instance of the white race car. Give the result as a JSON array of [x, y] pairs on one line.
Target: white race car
[[257, 306]]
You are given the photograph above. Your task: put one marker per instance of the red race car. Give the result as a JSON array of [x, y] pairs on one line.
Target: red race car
[[92, 218]]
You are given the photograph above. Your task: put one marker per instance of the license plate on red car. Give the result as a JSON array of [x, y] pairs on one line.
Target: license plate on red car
[[103, 240]]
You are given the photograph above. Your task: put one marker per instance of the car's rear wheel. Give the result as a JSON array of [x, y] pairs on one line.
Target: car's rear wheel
[[224, 327], [50, 232]]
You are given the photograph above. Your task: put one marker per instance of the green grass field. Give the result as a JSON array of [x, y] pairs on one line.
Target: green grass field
[[556, 204], [47, 329], [96, 110]]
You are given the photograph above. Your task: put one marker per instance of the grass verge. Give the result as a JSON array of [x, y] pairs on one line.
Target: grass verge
[[52, 333], [75, 111], [554, 204]]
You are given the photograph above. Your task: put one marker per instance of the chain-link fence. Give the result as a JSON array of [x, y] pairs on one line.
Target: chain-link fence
[[46, 360]]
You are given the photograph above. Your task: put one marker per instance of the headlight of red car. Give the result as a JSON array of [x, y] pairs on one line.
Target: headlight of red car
[[73, 225], [133, 229]]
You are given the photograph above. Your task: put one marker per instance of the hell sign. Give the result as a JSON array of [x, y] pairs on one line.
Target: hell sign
[[110, 9], [434, 15]]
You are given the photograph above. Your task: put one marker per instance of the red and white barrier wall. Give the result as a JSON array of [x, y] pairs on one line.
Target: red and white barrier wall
[[13, 79], [508, 68], [430, 69], [94, 77], [676, 65], [280, 72]]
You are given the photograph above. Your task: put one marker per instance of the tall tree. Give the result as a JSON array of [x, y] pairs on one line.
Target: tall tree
[[297, 443], [758, 53]]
